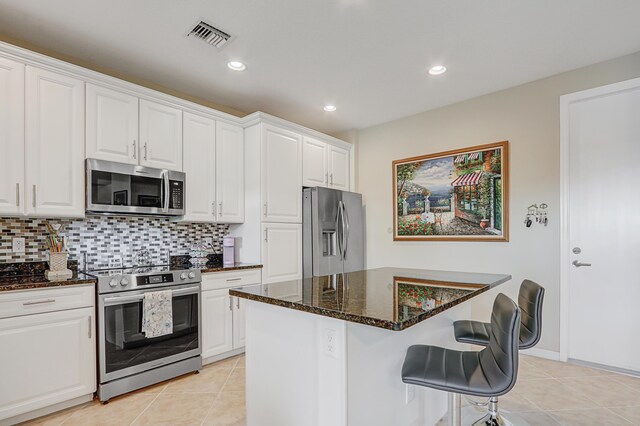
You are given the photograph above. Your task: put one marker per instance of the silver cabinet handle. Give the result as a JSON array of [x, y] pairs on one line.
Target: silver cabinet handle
[[238, 302], [578, 264], [18, 194], [34, 196], [220, 207], [145, 150], [213, 208], [39, 302], [234, 279], [266, 235], [231, 303], [134, 149], [90, 323], [265, 209], [331, 178]]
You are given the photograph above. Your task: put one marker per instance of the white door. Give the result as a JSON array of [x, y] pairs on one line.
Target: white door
[[281, 252], [54, 144], [160, 136], [11, 137], [239, 335], [230, 173], [112, 125], [199, 148], [603, 135], [314, 162], [217, 322], [46, 359], [339, 168], [281, 175]]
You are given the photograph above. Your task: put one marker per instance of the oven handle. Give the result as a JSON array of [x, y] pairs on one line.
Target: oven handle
[[125, 299]]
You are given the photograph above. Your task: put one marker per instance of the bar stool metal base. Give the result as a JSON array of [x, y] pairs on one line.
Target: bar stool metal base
[[492, 417]]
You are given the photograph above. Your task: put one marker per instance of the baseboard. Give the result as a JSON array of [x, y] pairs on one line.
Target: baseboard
[[220, 357], [542, 353]]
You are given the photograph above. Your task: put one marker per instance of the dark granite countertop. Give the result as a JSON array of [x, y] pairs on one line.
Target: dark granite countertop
[[390, 298], [236, 267], [24, 282]]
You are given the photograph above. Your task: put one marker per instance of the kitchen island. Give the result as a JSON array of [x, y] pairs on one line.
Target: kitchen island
[[329, 350]]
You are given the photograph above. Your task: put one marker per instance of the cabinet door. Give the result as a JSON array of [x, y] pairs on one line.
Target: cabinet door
[[199, 148], [46, 359], [239, 321], [54, 144], [281, 252], [217, 322], [339, 166], [314, 162], [160, 136], [112, 125], [11, 137], [281, 175], [230, 173]]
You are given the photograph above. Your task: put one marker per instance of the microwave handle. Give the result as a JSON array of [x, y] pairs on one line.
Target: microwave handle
[[165, 179]]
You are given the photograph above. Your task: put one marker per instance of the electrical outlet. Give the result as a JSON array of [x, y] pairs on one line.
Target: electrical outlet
[[410, 393], [330, 343], [18, 245]]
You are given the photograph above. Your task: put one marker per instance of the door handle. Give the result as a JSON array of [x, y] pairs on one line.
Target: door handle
[[34, 196], [165, 178], [18, 194], [213, 207], [145, 150], [90, 326], [578, 264], [231, 303], [134, 149]]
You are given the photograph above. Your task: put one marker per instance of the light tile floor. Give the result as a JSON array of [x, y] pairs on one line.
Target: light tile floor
[[547, 393]]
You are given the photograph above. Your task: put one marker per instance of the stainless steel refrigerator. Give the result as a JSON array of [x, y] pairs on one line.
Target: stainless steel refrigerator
[[332, 232]]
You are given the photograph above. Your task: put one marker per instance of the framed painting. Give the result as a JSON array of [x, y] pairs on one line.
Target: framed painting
[[460, 195]]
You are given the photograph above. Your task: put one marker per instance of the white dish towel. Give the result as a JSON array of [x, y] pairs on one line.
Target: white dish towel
[[157, 314]]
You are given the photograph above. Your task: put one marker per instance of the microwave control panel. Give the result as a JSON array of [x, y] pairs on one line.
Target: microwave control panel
[[177, 195]]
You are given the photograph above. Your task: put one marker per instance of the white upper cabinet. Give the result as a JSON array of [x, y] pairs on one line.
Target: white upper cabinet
[[314, 162], [199, 156], [281, 252], [160, 136], [281, 175], [54, 144], [112, 125], [339, 167], [229, 173], [11, 137]]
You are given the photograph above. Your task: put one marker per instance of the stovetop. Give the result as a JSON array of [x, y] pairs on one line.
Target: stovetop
[[138, 270]]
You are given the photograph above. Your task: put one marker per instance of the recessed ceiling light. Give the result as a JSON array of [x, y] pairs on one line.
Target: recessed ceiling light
[[236, 65], [437, 70], [329, 108]]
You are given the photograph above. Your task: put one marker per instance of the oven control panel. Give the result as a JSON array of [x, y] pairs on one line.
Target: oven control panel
[[154, 279]]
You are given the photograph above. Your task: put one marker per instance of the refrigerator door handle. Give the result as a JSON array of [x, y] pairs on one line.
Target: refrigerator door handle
[[339, 230], [345, 230]]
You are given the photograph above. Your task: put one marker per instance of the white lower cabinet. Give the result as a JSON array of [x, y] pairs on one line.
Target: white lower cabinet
[[281, 252], [217, 317], [223, 316], [46, 359]]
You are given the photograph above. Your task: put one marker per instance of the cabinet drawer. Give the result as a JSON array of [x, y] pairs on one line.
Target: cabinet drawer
[[27, 302], [218, 280]]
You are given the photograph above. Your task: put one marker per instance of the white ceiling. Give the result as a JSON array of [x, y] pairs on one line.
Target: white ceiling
[[368, 57]]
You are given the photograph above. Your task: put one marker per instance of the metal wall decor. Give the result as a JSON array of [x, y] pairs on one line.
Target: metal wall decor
[[537, 213]]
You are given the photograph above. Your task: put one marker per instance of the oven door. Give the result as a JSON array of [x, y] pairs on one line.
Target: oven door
[[126, 188], [123, 348]]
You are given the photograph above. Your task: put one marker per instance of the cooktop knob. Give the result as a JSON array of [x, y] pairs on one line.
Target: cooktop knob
[[183, 276], [124, 281], [113, 282], [192, 274]]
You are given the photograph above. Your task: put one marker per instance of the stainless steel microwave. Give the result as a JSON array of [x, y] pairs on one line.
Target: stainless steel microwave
[[118, 188]]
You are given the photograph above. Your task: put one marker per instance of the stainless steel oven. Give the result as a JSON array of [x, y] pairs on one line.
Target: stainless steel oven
[[127, 359], [126, 188]]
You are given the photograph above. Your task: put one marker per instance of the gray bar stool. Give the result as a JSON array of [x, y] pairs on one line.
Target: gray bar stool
[[530, 298], [490, 372]]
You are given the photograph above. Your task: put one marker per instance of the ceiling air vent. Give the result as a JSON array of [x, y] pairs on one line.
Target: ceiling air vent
[[210, 34]]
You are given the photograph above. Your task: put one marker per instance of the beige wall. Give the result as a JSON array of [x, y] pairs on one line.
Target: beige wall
[[527, 116]]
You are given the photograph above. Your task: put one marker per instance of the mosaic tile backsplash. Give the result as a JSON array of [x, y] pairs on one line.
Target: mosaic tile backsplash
[[104, 237]]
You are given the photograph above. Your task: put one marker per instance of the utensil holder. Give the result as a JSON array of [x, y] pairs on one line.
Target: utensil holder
[[58, 261]]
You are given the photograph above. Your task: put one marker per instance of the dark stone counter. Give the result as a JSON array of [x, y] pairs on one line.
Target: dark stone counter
[[390, 298]]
